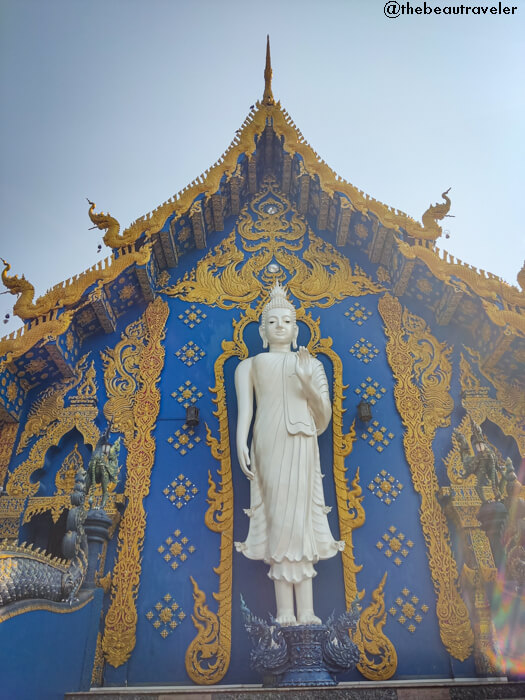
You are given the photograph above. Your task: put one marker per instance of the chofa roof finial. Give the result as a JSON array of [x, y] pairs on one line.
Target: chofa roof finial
[[268, 96]]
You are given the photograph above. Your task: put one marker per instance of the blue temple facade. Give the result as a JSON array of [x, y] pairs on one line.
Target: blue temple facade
[[419, 349]]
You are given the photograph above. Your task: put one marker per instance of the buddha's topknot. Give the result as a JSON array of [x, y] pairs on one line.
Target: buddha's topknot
[[277, 300]]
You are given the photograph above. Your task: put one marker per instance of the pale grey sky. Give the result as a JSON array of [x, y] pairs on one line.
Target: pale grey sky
[[127, 101]]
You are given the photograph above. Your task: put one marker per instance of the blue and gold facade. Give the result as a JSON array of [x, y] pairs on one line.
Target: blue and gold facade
[[424, 339]]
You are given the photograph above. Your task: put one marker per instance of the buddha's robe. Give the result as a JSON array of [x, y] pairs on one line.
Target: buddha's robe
[[288, 518]]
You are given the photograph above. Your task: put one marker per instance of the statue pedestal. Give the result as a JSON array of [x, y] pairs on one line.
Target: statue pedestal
[[307, 666], [302, 655], [96, 525]]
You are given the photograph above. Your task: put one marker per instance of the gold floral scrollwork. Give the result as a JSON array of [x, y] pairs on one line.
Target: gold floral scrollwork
[[213, 639], [8, 433], [97, 672], [422, 374], [204, 659], [327, 276], [64, 483], [51, 420], [270, 229], [218, 280], [49, 406], [121, 620], [121, 365], [378, 660], [507, 410]]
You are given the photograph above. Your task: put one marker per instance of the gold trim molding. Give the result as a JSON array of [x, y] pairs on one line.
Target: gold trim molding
[[63, 608]]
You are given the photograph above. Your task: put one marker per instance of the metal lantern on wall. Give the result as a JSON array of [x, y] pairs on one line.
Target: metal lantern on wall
[[364, 411]]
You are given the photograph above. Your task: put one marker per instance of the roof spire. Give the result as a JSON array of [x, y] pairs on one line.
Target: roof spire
[[268, 96]]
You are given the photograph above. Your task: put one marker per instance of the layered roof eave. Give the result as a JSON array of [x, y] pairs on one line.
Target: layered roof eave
[[133, 246]]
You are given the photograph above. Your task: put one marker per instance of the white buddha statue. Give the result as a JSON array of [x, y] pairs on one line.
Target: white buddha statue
[[288, 525]]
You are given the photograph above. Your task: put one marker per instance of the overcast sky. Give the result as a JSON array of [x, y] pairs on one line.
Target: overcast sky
[[127, 101]]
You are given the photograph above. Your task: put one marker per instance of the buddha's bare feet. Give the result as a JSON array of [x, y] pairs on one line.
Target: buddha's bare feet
[[308, 618], [286, 620]]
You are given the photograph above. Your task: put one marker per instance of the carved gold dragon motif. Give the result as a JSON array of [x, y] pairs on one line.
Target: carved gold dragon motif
[[61, 295], [18, 285], [105, 222], [435, 213]]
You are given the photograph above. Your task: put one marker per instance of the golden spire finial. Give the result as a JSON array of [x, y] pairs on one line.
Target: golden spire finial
[[268, 96]]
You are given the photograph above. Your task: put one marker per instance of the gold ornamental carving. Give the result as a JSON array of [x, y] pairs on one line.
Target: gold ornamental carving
[[69, 292], [422, 373], [121, 620], [50, 419], [50, 404], [8, 433], [378, 660], [436, 212], [61, 499], [506, 410], [453, 272], [121, 378], [64, 483], [107, 223], [20, 341], [293, 142], [205, 660], [232, 274]]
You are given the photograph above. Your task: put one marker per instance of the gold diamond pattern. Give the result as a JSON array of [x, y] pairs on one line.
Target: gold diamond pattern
[[187, 394], [175, 549], [377, 436], [385, 486], [192, 316], [165, 616], [358, 314], [406, 610], [183, 439], [190, 353], [180, 491], [364, 350], [395, 545], [370, 391]]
